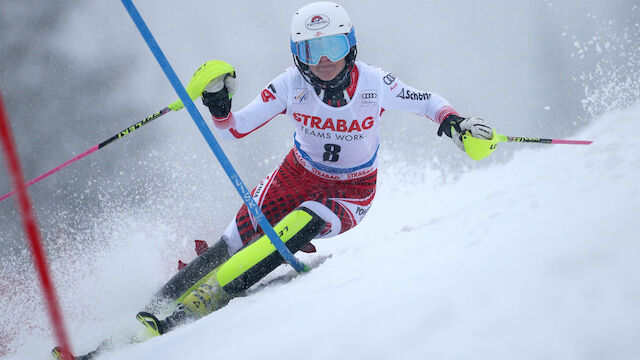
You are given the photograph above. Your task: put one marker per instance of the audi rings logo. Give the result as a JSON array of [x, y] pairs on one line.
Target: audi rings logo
[[317, 22], [369, 97]]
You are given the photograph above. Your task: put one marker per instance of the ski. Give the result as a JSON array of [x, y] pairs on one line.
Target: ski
[[150, 322], [56, 354]]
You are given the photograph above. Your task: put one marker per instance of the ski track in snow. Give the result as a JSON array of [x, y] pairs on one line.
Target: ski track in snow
[[532, 259]]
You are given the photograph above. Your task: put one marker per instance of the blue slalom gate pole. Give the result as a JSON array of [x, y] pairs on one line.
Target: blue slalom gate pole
[[245, 194]]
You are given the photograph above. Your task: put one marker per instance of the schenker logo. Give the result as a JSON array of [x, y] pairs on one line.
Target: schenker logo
[[412, 95], [338, 125], [317, 22]]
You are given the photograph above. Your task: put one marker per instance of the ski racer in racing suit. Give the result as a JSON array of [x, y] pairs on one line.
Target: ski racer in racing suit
[[326, 183]]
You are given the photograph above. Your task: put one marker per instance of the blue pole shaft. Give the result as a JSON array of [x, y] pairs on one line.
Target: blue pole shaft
[[245, 194]]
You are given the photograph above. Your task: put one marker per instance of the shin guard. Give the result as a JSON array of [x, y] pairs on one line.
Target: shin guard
[[259, 258], [248, 266], [181, 283]]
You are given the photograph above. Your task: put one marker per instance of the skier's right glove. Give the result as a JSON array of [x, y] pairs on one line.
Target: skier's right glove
[[454, 126], [217, 95]]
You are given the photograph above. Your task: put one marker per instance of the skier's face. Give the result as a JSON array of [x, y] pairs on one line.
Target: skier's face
[[326, 69]]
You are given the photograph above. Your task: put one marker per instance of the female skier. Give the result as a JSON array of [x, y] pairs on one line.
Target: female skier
[[326, 183]]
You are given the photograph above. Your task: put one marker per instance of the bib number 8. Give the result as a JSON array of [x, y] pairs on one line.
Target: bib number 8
[[331, 153]]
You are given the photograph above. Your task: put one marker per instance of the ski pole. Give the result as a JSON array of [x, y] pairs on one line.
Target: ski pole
[[505, 138], [235, 179], [478, 149], [203, 75], [91, 150]]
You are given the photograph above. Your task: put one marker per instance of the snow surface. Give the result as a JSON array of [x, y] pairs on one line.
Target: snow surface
[[536, 258]]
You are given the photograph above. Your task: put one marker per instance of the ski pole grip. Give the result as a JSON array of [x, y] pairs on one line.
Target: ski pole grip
[[203, 76]]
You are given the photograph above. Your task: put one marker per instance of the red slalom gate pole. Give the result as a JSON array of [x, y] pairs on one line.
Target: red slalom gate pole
[[32, 232]]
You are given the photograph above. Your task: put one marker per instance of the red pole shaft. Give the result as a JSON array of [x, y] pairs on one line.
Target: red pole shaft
[[93, 149], [32, 232], [571, 142], [52, 171]]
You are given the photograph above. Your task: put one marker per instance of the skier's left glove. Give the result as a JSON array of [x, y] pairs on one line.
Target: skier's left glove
[[454, 126], [217, 95]]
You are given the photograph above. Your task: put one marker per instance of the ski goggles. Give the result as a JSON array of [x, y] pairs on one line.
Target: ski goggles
[[334, 47]]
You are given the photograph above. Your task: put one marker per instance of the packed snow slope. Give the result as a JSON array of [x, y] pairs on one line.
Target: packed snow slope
[[536, 258]]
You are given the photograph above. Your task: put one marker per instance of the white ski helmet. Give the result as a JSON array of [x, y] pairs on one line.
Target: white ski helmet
[[318, 19], [319, 29]]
